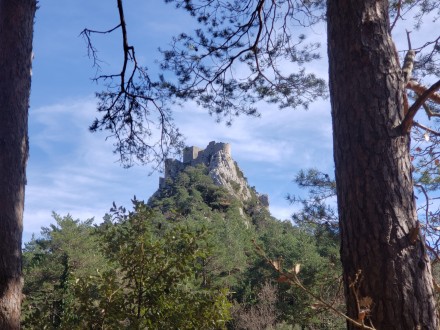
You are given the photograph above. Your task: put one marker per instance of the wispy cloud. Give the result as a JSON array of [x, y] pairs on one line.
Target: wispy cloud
[[73, 171], [281, 138], [270, 150]]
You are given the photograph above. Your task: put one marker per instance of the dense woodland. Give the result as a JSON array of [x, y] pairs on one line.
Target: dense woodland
[[187, 259]]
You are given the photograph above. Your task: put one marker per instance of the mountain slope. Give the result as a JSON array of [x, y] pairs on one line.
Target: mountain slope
[[208, 191], [221, 168], [205, 204]]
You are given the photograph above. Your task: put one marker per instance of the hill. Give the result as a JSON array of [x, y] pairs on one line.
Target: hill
[[190, 249]]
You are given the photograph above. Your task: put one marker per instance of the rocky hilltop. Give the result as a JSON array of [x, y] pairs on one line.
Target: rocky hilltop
[[223, 170]]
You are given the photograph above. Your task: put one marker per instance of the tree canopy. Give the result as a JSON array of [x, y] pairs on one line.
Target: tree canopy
[[162, 265]]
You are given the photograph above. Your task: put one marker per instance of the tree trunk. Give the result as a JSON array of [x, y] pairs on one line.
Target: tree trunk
[[16, 30], [373, 173]]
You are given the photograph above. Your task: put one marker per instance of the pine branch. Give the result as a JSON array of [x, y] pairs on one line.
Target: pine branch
[[420, 89], [407, 122]]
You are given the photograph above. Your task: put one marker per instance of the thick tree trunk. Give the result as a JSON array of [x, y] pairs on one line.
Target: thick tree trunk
[[16, 29], [373, 173]]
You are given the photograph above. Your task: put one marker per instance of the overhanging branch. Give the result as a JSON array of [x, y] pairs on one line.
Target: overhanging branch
[[420, 89], [407, 122], [430, 130], [133, 107]]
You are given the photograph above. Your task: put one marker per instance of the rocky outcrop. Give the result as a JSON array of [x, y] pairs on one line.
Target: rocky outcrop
[[264, 200], [223, 170]]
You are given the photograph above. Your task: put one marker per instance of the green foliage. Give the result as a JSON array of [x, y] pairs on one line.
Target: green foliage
[[253, 35], [193, 192], [65, 250], [152, 285], [195, 200], [139, 277], [233, 261], [318, 208], [180, 262], [319, 268]]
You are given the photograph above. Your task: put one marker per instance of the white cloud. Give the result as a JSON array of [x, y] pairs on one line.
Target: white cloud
[[282, 212], [270, 150], [73, 171], [281, 137]]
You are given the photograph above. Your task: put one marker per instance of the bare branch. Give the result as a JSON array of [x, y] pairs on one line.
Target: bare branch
[[406, 124], [426, 202], [420, 89], [408, 39], [133, 107], [91, 50], [399, 6], [292, 278], [415, 123]]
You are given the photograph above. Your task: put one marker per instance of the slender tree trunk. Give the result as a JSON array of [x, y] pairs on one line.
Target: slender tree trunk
[[16, 30], [373, 173]]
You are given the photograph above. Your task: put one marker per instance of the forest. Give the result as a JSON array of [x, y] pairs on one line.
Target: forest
[[187, 259]]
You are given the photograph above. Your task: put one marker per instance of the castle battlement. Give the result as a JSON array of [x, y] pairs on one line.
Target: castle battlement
[[220, 167], [190, 154], [193, 156]]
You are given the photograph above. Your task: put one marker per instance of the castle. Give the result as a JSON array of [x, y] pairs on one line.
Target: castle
[[193, 156], [223, 170]]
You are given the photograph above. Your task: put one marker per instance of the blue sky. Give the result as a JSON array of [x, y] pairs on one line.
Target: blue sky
[[73, 171]]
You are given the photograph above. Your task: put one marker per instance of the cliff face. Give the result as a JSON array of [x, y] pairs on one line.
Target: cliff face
[[223, 170]]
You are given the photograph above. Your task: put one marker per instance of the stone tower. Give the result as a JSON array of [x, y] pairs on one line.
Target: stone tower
[[221, 167]]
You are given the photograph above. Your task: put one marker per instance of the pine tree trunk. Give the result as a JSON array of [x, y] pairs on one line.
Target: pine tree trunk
[[16, 30], [373, 172]]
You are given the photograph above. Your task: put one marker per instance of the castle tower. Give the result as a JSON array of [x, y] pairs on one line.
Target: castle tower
[[190, 154]]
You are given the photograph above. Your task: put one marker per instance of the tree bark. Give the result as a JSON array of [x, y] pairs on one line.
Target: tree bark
[[16, 31], [373, 173]]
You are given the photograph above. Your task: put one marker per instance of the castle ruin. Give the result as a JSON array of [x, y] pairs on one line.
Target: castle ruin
[[221, 168], [193, 156]]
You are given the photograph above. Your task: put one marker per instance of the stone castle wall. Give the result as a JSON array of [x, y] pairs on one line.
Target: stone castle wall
[[190, 153], [220, 166], [193, 156]]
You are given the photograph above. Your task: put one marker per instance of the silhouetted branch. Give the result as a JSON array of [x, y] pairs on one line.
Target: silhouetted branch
[[408, 120], [430, 130], [399, 6], [420, 89], [133, 109], [251, 36], [292, 278]]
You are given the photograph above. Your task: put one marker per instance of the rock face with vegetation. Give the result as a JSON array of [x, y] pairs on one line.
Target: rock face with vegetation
[[221, 168]]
